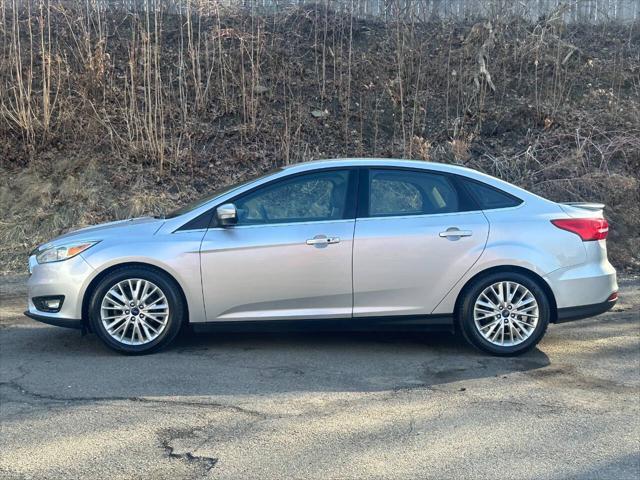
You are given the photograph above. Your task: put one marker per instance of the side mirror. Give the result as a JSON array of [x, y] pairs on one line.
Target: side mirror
[[227, 215]]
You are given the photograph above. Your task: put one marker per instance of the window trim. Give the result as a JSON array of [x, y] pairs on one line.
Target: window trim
[[194, 225], [288, 224], [364, 186]]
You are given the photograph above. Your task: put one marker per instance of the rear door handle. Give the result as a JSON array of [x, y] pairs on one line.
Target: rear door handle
[[322, 240], [454, 232]]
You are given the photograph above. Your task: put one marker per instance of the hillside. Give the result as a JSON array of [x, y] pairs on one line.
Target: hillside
[[106, 114]]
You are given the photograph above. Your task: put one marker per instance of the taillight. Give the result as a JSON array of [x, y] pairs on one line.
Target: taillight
[[586, 228]]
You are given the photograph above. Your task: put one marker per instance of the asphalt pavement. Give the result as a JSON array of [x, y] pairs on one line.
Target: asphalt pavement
[[321, 406]]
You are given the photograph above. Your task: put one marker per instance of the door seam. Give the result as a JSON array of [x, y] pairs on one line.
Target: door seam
[[484, 247]]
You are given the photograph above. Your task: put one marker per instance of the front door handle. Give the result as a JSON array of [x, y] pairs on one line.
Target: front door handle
[[321, 240], [454, 232]]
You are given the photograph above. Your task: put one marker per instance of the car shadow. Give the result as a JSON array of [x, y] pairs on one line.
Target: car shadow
[[63, 364]]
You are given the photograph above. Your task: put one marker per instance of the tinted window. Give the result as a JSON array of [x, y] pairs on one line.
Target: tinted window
[[201, 201], [311, 197], [489, 197], [403, 192]]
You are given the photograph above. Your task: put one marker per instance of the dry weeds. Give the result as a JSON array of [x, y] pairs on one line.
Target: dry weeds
[[106, 113]]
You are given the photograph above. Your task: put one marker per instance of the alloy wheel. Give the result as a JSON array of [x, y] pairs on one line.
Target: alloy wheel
[[506, 313], [134, 311]]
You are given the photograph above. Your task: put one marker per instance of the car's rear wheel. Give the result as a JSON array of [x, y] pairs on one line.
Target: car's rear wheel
[[504, 313], [136, 310]]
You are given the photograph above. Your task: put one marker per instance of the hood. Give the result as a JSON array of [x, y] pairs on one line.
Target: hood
[[130, 227]]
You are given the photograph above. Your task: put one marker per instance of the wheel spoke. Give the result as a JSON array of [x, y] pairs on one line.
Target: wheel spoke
[[154, 317], [122, 292], [524, 294], [489, 306], [149, 293], [488, 300], [523, 325], [515, 329], [122, 328], [135, 290], [497, 332], [116, 298], [524, 302], [496, 294], [157, 307], [155, 301], [141, 336], [143, 295], [495, 329], [491, 324], [118, 319], [148, 328]]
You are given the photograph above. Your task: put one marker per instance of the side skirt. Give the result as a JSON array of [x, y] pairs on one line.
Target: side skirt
[[359, 324]]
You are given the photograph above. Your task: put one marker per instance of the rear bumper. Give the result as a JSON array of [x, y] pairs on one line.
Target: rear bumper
[[570, 314], [584, 285], [57, 321]]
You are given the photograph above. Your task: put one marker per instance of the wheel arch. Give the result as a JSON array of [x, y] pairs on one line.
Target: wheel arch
[[509, 269], [98, 278]]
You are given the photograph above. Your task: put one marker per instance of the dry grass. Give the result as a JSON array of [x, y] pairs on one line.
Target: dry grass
[[105, 114]]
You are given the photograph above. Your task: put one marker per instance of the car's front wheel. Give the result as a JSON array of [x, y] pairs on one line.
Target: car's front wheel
[[136, 310], [504, 313]]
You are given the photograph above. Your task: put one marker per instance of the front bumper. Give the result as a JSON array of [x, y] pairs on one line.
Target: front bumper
[[66, 279], [50, 319]]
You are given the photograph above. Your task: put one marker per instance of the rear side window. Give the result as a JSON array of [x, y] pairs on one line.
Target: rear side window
[[489, 197], [406, 192]]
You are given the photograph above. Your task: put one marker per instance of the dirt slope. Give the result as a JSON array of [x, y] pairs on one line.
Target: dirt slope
[[105, 115]]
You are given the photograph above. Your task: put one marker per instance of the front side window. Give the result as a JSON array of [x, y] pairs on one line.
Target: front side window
[[405, 192], [317, 196], [217, 193]]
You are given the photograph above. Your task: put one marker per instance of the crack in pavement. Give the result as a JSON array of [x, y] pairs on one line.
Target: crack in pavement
[[206, 462], [89, 399]]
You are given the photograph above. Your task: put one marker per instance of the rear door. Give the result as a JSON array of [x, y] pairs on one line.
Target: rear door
[[416, 235], [289, 256]]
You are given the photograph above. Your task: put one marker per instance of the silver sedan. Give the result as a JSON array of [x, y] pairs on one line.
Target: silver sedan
[[338, 244]]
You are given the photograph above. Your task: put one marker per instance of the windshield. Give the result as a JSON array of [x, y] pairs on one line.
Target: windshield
[[221, 191]]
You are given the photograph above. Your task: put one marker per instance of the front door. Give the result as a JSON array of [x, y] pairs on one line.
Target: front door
[[416, 236], [289, 256]]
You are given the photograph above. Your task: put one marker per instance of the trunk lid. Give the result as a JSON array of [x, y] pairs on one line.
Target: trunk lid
[[583, 209]]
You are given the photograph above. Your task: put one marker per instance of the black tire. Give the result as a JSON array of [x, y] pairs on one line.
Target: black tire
[[470, 331], [164, 283]]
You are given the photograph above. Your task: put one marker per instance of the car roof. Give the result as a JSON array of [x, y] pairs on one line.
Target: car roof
[[379, 162], [396, 162]]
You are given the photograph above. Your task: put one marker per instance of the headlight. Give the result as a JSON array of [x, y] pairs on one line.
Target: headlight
[[65, 251]]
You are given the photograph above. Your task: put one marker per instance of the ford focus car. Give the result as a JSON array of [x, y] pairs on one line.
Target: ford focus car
[[342, 244]]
